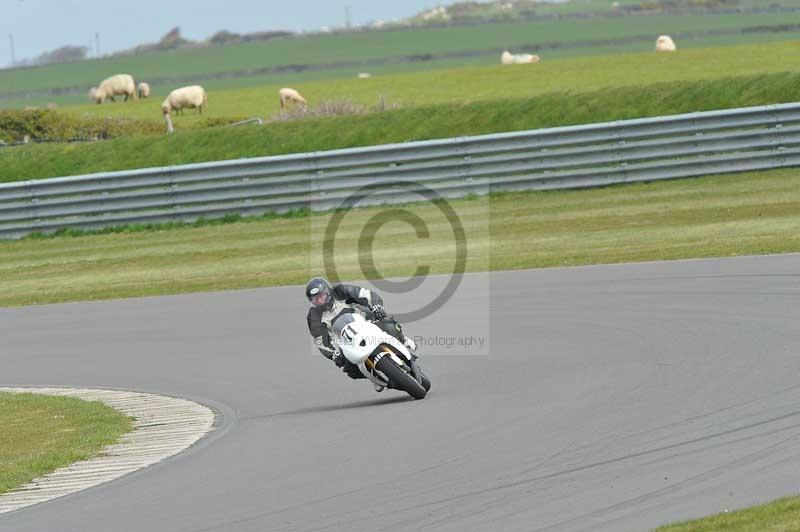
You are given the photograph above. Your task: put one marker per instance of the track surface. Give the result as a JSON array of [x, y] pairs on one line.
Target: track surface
[[614, 398]]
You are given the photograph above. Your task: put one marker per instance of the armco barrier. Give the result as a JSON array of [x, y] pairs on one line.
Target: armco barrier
[[668, 147]]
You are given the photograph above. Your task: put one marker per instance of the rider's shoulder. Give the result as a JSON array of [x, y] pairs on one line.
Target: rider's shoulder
[[340, 289], [314, 313]]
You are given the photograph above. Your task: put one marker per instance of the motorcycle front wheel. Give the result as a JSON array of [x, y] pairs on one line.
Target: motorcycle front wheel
[[425, 381], [400, 379]]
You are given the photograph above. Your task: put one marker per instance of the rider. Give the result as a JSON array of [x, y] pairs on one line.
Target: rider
[[329, 302]]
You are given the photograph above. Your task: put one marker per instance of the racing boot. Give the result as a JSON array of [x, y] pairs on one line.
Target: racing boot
[[408, 342]]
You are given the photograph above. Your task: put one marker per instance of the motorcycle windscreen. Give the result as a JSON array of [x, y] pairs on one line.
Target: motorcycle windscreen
[[342, 321]]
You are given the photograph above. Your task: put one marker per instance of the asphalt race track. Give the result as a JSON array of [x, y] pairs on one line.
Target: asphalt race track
[[607, 398]]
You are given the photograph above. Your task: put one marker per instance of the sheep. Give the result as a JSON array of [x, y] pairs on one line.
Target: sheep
[[193, 97], [664, 43], [507, 58], [143, 90], [120, 84], [364, 75], [290, 95]]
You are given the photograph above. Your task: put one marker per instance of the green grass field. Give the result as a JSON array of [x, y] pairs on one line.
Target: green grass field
[[780, 516], [706, 217], [496, 82], [470, 44], [413, 123], [273, 81], [579, 81], [42, 433]]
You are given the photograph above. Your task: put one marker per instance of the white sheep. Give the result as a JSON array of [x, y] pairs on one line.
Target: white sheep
[[664, 43], [290, 95], [120, 84], [507, 58], [143, 90], [364, 75], [192, 97]]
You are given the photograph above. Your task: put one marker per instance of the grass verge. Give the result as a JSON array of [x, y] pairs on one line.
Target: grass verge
[[782, 515], [419, 123], [718, 216], [42, 433]]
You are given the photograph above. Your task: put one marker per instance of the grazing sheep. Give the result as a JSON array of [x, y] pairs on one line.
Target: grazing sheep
[[168, 120], [193, 97], [143, 89], [290, 95], [364, 75], [121, 84], [664, 43], [507, 58]]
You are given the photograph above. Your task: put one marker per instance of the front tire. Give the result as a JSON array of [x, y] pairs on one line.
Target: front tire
[[400, 379], [425, 381]]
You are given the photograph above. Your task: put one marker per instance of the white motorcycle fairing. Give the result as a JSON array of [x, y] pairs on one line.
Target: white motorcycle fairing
[[359, 339]]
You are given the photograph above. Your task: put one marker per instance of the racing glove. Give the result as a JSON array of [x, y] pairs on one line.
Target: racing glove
[[378, 311]]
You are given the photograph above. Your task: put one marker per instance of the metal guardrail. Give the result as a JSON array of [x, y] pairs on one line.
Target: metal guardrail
[[669, 147]]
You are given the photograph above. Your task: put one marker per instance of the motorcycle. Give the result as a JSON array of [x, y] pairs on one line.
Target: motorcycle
[[381, 357]]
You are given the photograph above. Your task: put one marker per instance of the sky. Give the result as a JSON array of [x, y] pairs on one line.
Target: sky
[[43, 25]]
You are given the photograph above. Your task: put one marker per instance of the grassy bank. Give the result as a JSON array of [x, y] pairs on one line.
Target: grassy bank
[[441, 121], [707, 217], [780, 516], [41, 433], [51, 126]]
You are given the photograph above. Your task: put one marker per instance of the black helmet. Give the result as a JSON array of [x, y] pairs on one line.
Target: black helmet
[[319, 293]]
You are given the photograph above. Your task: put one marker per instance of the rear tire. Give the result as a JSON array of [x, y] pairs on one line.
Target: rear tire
[[400, 379]]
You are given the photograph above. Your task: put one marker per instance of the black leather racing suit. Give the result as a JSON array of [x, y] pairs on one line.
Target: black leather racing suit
[[347, 298]]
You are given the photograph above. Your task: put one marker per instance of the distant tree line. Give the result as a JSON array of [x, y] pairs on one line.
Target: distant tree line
[[172, 40], [65, 54]]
